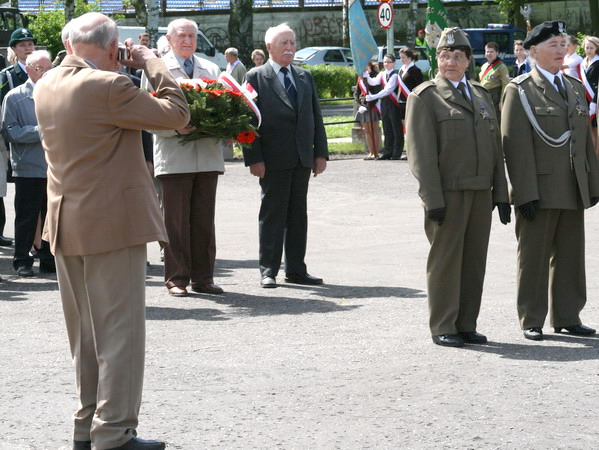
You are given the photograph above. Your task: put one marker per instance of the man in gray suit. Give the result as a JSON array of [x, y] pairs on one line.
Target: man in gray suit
[[292, 143], [554, 174]]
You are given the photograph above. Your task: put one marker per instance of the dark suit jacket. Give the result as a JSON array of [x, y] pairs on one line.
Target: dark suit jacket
[[287, 133], [18, 75]]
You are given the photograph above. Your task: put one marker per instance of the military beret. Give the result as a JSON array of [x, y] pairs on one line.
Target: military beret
[[21, 34], [544, 31], [453, 37]]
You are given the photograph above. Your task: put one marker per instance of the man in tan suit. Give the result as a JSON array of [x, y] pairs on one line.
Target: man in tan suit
[[102, 210], [555, 176], [455, 154]]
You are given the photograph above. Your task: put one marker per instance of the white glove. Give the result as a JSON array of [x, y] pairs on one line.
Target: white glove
[[592, 109], [362, 109], [369, 98]]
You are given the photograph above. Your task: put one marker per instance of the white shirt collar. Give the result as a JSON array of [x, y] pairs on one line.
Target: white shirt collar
[[550, 76], [23, 67], [465, 81], [405, 68]]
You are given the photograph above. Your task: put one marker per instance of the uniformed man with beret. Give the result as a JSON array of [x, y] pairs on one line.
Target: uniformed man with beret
[[554, 174], [455, 153]]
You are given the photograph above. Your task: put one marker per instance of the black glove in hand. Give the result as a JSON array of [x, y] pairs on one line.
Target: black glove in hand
[[436, 215], [505, 212], [529, 210], [594, 201]]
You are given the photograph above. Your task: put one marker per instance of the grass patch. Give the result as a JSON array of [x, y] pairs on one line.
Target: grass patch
[[346, 148], [338, 131]]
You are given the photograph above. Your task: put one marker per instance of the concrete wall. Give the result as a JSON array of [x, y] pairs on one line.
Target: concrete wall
[[324, 26]]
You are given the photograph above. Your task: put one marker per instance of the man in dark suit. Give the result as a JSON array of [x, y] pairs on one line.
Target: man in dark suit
[[292, 143]]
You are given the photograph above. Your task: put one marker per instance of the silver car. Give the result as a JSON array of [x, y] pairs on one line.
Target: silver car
[[334, 56]]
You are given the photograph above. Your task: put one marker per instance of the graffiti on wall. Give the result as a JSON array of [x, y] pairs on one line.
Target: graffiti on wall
[[317, 30]]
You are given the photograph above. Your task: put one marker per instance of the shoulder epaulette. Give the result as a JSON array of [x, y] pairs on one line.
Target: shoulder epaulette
[[571, 78], [520, 78], [422, 86], [477, 84]]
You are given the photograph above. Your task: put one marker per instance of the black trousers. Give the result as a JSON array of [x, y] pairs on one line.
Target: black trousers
[[30, 203], [392, 129], [283, 220]]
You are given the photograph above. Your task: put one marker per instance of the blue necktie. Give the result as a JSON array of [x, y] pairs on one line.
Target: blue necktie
[[289, 87], [188, 65]]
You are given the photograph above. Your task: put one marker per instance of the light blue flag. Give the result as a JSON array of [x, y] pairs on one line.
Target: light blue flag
[[363, 45]]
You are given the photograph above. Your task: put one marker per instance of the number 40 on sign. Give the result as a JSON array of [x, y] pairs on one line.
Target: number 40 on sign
[[385, 14]]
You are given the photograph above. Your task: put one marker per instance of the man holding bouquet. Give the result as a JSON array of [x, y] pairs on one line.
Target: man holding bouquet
[[188, 174]]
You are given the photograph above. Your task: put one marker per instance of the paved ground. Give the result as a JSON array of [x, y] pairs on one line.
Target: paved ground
[[349, 365]]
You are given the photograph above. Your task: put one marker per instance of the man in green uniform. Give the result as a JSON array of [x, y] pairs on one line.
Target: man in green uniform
[[555, 176], [494, 75], [455, 154]]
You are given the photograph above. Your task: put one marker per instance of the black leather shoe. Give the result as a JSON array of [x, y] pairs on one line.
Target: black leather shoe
[[384, 157], [82, 445], [141, 444], [24, 271], [268, 282], [579, 330], [534, 334], [5, 242], [449, 340], [297, 278], [472, 337]]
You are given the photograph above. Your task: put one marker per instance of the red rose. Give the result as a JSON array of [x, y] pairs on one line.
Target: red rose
[[246, 137]]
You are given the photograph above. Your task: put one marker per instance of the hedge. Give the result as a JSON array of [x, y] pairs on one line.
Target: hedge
[[333, 81]]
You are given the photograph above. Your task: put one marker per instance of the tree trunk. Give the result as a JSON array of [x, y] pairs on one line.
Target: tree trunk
[[594, 7], [153, 14], [69, 10], [14, 3], [241, 28], [141, 13], [411, 23]]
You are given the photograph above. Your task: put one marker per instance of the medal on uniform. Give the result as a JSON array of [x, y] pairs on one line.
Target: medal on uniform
[[483, 112], [579, 111]]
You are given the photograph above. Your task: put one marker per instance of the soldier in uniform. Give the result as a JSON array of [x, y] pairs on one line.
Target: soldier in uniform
[[455, 153], [494, 75], [555, 175]]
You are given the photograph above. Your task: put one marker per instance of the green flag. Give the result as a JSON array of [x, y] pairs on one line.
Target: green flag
[[436, 21]]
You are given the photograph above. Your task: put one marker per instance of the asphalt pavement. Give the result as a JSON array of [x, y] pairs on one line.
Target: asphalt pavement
[[346, 365]]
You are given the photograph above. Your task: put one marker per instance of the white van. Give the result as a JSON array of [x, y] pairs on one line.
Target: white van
[[205, 49]]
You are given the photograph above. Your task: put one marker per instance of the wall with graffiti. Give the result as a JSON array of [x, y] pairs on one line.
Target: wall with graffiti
[[324, 26]]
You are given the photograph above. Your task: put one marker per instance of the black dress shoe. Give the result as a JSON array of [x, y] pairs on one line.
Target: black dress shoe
[[141, 444], [580, 330], [268, 282], [472, 337], [534, 334], [82, 445], [306, 278], [384, 157], [5, 242], [449, 340], [24, 271]]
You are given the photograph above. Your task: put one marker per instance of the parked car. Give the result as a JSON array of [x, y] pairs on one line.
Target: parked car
[[205, 49], [422, 63], [334, 56], [503, 35]]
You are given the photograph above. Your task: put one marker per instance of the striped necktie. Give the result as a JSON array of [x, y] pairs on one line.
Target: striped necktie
[[289, 87]]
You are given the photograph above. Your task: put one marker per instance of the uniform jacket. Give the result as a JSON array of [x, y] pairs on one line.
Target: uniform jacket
[[287, 133], [538, 171], [412, 78], [499, 78], [18, 76], [19, 127], [170, 156], [445, 153], [101, 197]]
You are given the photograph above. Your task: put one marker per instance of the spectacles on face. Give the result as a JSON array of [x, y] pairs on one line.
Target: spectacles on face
[[456, 57], [39, 69]]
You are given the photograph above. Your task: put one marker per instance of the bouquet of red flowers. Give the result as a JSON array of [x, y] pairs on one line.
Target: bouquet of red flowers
[[219, 110]]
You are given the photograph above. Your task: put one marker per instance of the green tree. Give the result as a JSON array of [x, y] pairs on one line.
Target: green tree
[[47, 25], [510, 12], [241, 28]]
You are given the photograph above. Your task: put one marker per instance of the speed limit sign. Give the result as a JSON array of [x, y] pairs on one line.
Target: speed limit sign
[[385, 15]]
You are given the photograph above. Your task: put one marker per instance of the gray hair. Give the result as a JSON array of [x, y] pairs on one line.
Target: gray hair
[[231, 51], [66, 30], [180, 23], [274, 31], [94, 29], [37, 55]]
